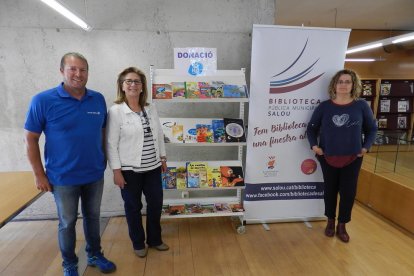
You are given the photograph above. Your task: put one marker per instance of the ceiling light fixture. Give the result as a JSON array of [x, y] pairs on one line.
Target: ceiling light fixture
[[382, 42], [359, 59], [67, 13]]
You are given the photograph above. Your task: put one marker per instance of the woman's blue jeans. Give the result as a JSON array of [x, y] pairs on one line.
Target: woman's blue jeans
[[67, 201]]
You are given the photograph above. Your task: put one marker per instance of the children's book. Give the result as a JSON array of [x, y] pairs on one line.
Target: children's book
[[165, 209], [189, 131], [191, 90], [161, 91], [366, 89], [385, 105], [222, 208], [231, 176], [204, 133], [216, 89], [205, 91], [382, 123], [234, 130], [403, 105], [207, 208], [176, 209], [236, 207], [169, 178], [172, 129], [213, 176], [219, 132], [234, 91], [193, 208], [196, 174], [178, 89], [181, 177]]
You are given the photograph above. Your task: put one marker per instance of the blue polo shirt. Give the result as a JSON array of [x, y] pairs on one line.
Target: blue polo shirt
[[73, 134]]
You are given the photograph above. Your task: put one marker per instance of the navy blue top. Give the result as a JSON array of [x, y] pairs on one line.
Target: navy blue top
[[73, 134], [343, 130]]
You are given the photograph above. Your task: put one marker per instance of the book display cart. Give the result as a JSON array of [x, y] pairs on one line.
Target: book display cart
[[198, 182], [395, 111]]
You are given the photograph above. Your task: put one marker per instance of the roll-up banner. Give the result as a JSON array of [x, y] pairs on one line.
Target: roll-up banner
[[291, 69]]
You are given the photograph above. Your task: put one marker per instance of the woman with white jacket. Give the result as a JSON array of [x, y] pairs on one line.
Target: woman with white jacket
[[136, 154]]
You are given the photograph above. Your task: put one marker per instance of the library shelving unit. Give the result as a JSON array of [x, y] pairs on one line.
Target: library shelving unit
[[181, 153], [395, 110]]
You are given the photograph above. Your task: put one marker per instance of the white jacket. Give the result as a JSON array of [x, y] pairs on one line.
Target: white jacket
[[125, 136]]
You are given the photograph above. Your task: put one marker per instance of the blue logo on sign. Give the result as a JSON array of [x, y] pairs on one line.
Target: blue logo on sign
[[196, 68], [192, 131]]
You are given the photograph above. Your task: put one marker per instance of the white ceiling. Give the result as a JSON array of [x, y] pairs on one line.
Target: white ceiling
[[354, 14]]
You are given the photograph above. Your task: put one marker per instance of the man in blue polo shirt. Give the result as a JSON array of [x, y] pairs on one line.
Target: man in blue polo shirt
[[73, 120]]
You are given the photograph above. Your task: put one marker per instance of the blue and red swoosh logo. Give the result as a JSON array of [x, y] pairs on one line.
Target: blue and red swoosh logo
[[296, 81]]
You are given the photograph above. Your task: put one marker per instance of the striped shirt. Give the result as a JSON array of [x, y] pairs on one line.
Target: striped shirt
[[149, 158]]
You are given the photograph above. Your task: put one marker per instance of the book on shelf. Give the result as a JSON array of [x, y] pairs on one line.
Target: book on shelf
[[181, 177], [207, 208], [403, 105], [193, 208], [172, 129], [216, 89], [192, 90], [236, 207], [401, 122], [205, 90], [178, 89], [385, 105], [231, 176], [234, 91], [213, 176], [161, 91], [176, 209], [196, 174], [169, 178], [165, 209], [234, 130], [219, 132], [382, 123], [222, 208], [204, 133], [189, 131], [367, 89], [385, 89]]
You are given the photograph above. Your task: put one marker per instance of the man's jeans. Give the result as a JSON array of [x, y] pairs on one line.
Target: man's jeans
[[67, 201]]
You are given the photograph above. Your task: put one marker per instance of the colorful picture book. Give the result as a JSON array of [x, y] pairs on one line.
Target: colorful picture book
[[213, 176], [199, 208], [234, 91], [219, 132], [234, 130], [192, 91], [178, 89], [231, 176], [162, 91], [169, 178], [204, 133], [181, 177]]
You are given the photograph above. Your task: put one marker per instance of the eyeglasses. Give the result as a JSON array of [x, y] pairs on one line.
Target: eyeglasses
[[345, 82], [130, 82]]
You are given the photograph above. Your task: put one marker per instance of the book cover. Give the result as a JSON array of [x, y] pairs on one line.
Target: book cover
[[234, 130], [193, 208], [402, 122], [231, 176], [367, 89], [204, 133], [207, 208], [176, 209], [169, 178], [166, 126], [216, 89], [191, 90], [197, 174], [178, 89], [382, 123], [385, 105], [213, 176], [165, 209], [189, 131], [181, 177], [161, 91], [205, 90], [234, 91], [236, 207], [385, 89], [403, 106], [177, 131], [222, 208], [219, 132]]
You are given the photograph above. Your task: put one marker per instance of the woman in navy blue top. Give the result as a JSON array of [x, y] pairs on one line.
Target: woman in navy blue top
[[340, 132]]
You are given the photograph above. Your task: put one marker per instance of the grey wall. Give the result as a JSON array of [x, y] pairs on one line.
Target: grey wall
[[126, 32]]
